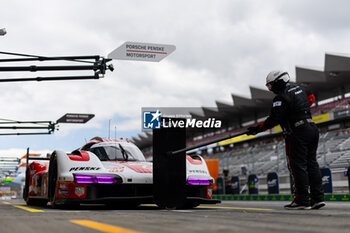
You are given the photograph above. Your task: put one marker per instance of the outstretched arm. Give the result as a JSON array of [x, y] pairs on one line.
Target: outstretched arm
[[278, 113]]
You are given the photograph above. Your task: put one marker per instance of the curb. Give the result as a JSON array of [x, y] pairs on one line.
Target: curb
[[280, 197]]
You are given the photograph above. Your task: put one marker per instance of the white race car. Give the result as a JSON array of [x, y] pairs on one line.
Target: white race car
[[105, 171]]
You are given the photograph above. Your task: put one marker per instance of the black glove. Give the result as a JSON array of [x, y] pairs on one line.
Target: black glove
[[254, 130]]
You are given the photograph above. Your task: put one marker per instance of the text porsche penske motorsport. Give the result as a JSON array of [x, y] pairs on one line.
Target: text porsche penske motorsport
[[106, 171]]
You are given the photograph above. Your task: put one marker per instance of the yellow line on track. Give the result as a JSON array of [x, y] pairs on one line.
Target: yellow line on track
[[102, 227], [149, 205], [28, 208], [232, 208], [24, 208]]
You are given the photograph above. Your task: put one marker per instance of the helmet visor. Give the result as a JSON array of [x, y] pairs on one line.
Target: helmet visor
[[269, 86]]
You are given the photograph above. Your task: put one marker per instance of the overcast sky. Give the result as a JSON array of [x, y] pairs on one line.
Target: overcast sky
[[222, 47]]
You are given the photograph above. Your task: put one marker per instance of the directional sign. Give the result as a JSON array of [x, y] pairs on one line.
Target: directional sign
[[142, 51], [75, 118]]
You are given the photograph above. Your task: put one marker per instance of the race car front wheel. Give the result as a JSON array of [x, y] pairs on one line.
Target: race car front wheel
[[26, 186], [36, 202], [191, 204], [52, 181]]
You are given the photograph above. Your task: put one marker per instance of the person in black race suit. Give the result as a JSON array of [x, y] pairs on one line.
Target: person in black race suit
[[291, 110]]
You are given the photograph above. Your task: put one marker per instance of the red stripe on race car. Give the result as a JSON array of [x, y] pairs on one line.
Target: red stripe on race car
[[139, 167], [84, 156], [193, 161]]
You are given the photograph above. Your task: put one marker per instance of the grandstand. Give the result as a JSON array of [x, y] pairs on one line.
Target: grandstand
[[265, 152], [263, 157]]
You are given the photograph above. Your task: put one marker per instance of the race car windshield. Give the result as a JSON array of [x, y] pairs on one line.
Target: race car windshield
[[118, 153]]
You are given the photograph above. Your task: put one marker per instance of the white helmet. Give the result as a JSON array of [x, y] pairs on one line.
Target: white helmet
[[274, 76]]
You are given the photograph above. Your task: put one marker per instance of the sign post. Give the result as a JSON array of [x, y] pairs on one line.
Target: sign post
[[327, 180], [75, 118], [272, 183], [137, 51], [220, 182], [235, 185], [253, 184]]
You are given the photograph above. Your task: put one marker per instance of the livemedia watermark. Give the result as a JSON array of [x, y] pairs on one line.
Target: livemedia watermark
[[156, 118]]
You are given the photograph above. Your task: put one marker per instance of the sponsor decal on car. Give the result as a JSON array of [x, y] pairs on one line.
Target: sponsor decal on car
[[119, 169], [209, 191], [63, 186], [63, 192], [79, 191], [198, 171], [84, 169]]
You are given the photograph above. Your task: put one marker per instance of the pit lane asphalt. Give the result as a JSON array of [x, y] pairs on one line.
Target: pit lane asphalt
[[230, 216]]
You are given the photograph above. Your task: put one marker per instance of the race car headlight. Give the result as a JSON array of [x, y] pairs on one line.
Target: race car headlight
[[199, 181], [97, 179]]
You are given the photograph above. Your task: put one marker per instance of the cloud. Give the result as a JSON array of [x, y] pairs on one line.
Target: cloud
[[222, 48], [18, 153]]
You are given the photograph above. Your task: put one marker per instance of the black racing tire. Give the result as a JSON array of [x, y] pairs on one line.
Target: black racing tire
[[191, 204], [52, 181], [26, 186], [36, 202]]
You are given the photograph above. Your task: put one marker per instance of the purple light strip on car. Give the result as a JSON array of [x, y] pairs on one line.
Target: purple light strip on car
[[98, 179], [198, 181], [84, 179], [105, 179]]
